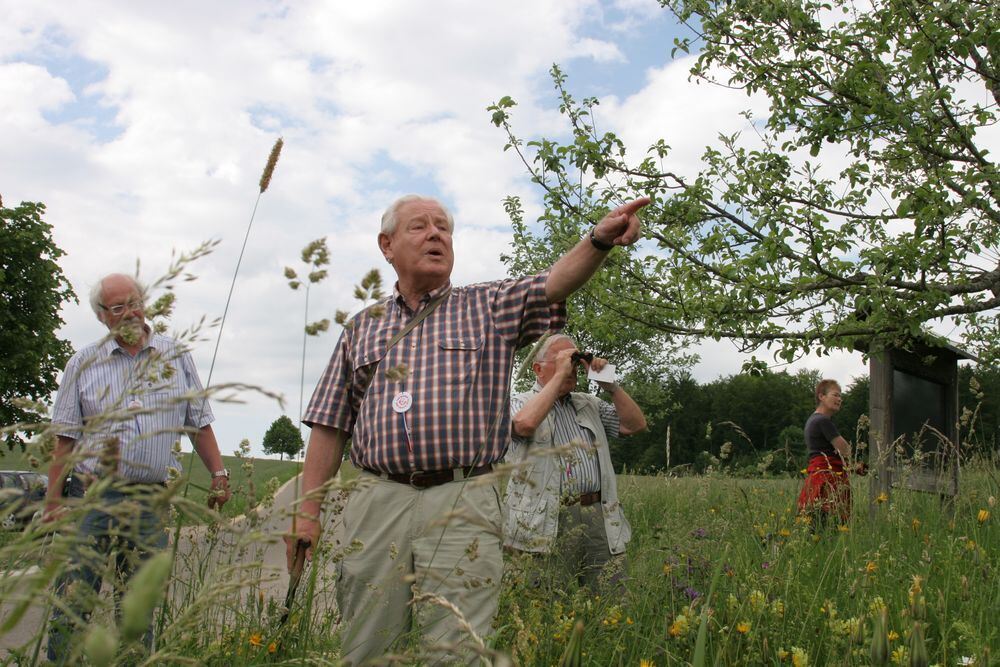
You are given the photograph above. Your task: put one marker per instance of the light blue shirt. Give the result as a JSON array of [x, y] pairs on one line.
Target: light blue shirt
[[147, 403]]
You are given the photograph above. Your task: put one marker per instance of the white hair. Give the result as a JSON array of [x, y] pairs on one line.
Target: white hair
[[389, 220], [97, 291], [544, 351]]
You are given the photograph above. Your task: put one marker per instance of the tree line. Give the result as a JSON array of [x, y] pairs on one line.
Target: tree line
[[761, 416]]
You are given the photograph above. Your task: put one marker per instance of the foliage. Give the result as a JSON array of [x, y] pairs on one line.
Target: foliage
[[864, 207], [33, 288], [282, 438]]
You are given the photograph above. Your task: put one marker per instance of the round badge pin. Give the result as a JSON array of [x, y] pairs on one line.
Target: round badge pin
[[402, 402]]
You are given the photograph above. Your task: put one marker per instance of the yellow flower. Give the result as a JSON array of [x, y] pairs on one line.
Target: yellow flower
[[679, 627], [915, 524], [646, 663], [784, 532], [882, 497], [893, 635], [757, 600], [256, 639], [843, 528], [983, 516], [272, 647], [899, 656], [871, 567], [970, 545], [799, 657], [743, 627], [783, 654], [666, 569]]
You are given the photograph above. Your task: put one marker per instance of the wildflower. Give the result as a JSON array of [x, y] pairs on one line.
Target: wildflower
[[629, 621], [871, 567], [844, 528], [991, 501], [272, 647], [679, 627], [876, 605], [784, 532], [893, 635], [970, 545], [743, 627], [778, 608], [783, 654], [983, 516], [757, 600], [256, 639], [732, 602], [882, 497], [646, 663], [666, 569], [915, 524], [899, 656], [799, 657]]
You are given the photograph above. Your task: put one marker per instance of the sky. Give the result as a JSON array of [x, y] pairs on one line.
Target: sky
[[144, 128]]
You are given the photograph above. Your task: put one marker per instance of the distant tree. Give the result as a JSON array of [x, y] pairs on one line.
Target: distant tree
[[282, 438], [32, 289]]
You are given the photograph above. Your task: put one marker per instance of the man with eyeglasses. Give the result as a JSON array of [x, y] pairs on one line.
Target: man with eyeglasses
[[123, 405], [562, 498]]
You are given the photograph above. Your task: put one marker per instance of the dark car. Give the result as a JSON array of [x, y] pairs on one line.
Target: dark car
[[21, 495]]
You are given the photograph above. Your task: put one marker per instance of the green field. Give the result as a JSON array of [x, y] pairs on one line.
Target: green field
[[717, 557]]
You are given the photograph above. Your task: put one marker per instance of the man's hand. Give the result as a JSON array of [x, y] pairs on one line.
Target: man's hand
[[54, 508], [219, 494], [621, 226], [565, 367], [597, 364], [307, 529]]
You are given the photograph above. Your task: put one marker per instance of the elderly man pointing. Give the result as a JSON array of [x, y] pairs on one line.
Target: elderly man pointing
[[421, 387]]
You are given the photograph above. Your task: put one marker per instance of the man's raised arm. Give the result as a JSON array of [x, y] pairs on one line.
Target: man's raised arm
[[569, 273]]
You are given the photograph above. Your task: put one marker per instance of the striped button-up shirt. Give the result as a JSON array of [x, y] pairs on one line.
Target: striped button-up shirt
[[144, 403], [581, 473], [455, 366]]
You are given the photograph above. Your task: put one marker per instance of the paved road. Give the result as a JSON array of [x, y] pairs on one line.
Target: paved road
[[244, 557]]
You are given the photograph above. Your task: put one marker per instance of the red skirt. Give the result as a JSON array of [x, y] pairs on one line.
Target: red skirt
[[827, 488]]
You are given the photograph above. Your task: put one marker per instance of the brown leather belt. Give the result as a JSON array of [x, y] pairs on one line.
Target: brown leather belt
[[425, 480], [585, 499]]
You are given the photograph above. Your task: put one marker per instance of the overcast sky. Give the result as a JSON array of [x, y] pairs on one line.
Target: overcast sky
[[144, 127]]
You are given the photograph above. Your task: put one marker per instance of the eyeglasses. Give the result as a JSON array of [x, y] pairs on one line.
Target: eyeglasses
[[119, 309]]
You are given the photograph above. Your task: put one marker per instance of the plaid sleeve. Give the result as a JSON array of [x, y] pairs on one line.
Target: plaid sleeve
[[331, 401], [198, 413], [610, 419], [522, 313], [67, 415]]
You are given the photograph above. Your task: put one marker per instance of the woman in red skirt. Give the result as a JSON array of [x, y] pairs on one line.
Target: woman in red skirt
[[826, 493]]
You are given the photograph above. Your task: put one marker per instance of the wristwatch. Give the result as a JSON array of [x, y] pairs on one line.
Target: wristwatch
[[600, 245], [221, 473]]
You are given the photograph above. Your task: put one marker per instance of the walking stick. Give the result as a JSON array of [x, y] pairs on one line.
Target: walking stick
[[294, 576]]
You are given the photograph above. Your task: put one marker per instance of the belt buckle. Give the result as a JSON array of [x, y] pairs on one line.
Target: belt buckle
[[410, 480]]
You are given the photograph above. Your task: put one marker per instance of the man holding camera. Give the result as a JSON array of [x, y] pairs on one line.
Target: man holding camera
[[562, 498]]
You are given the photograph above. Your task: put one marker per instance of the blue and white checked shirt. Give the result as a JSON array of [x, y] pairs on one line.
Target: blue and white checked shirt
[[147, 402]]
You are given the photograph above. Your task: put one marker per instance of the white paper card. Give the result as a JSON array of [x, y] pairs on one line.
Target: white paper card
[[607, 374]]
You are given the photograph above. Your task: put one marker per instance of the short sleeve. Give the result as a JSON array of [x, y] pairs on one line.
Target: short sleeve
[[330, 404], [828, 429], [67, 415], [610, 419], [522, 313], [198, 413], [516, 405]]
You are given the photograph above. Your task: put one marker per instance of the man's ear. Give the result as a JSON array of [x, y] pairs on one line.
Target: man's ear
[[385, 245]]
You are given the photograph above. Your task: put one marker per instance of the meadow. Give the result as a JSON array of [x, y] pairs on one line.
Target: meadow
[[718, 554]]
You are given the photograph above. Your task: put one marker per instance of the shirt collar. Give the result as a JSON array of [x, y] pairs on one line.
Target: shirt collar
[[109, 345], [397, 297]]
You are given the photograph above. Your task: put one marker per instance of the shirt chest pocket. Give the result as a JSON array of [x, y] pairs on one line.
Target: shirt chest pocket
[[458, 359]]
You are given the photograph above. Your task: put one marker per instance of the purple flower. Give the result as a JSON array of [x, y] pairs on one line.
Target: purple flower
[[765, 565], [699, 533], [692, 593]]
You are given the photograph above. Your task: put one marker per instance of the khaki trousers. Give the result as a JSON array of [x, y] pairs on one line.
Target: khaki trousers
[[402, 542]]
